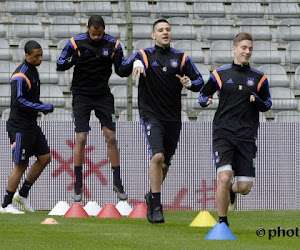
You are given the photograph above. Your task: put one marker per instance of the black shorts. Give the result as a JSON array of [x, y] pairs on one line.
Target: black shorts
[[26, 144], [161, 136], [104, 111], [239, 154]]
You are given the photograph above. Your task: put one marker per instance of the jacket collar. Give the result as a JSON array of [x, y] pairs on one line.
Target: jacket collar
[[240, 67]]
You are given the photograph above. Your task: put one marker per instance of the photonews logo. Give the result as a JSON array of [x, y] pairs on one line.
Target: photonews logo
[[279, 232]]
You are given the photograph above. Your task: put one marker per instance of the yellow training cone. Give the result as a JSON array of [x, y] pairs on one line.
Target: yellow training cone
[[203, 219]]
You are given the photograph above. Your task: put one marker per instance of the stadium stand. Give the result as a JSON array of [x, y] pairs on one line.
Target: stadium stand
[[27, 26], [206, 116], [276, 74], [142, 44], [249, 9], [5, 51], [292, 55], [287, 116], [182, 28], [265, 52], [262, 117], [142, 27], [2, 29], [135, 115], [283, 99], [283, 9], [202, 29], [120, 95], [297, 78], [58, 7], [171, 9], [137, 8], [288, 29], [21, 7], [93, 117], [204, 71], [113, 30], [258, 27], [205, 9], [89, 8], [64, 27], [52, 94], [220, 52], [58, 114], [7, 68], [48, 73], [5, 114], [192, 48], [216, 29], [5, 95], [184, 116]]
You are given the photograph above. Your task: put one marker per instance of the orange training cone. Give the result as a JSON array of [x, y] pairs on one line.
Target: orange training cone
[[76, 211], [49, 221], [109, 211], [140, 211]]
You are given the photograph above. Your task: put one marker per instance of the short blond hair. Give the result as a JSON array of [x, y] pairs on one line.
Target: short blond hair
[[242, 36]]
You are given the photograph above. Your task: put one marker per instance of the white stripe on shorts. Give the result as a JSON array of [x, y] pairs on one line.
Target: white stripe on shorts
[[223, 168], [244, 178]]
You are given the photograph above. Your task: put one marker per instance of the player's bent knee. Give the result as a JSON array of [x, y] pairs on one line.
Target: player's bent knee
[[244, 184], [225, 177], [244, 188], [111, 139], [158, 158], [44, 160]]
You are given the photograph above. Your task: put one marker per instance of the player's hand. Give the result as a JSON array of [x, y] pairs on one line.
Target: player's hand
[[185, 81], [49, 111], [136, 74], [137, 70], [252, 98], [209, 101]]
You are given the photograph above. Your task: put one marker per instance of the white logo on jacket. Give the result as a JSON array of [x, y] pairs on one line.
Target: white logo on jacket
[[174, 63]]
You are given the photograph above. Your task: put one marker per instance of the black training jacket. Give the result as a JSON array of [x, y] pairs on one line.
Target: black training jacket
[[25, 99], [159, 92], [93, 62], [236, 117]]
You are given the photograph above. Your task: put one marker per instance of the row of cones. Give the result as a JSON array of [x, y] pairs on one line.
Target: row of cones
[[93, 209], [219, 231]]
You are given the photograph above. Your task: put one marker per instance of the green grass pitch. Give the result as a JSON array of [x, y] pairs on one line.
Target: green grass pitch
[[27, 232]]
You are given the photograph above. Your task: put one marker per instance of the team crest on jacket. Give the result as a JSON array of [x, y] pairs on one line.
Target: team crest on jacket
[[250, 82], [105, 51], [174, 63]]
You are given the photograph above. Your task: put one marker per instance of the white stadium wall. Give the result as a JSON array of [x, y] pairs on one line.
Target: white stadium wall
[[191, 182]]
